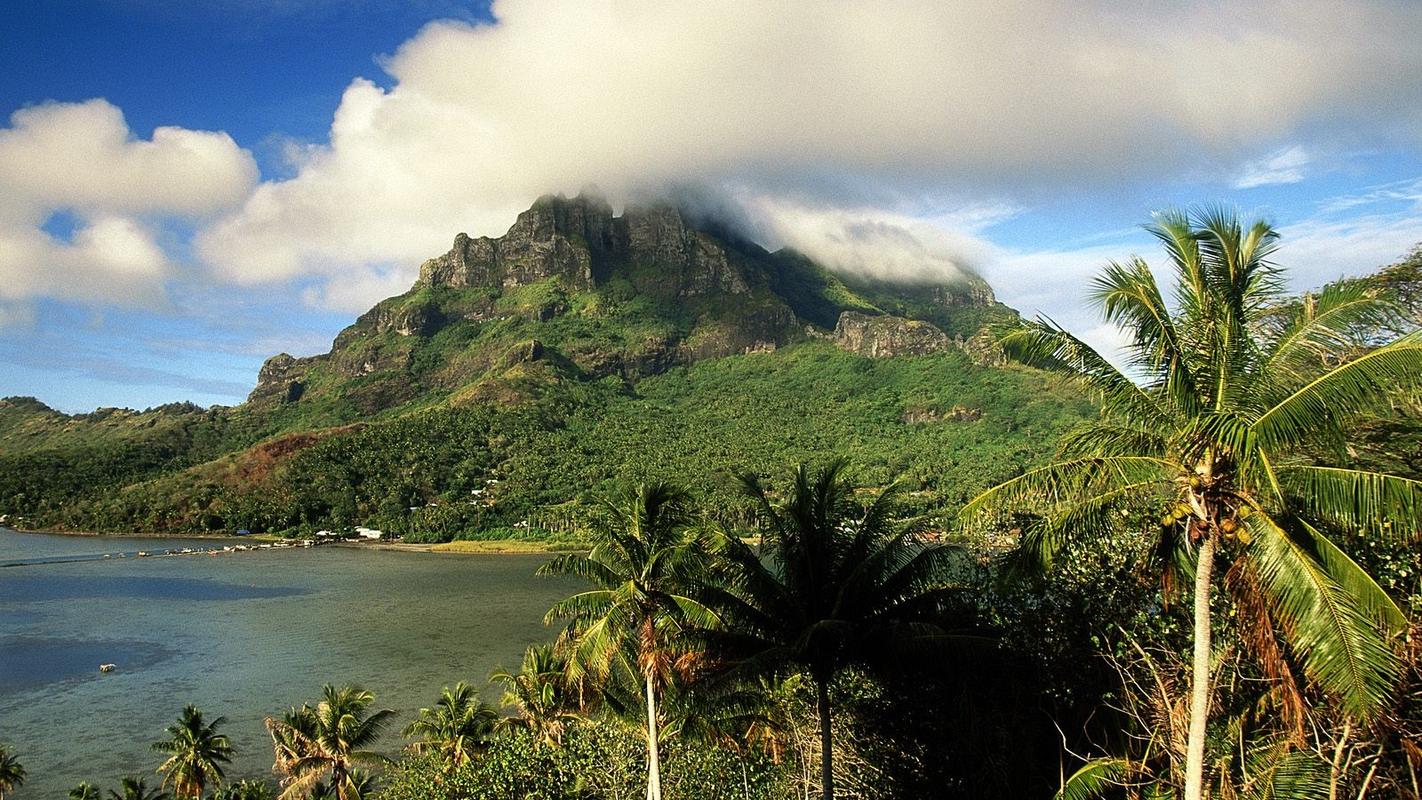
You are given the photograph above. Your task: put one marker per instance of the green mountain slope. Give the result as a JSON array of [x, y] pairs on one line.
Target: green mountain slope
[[522, 374]]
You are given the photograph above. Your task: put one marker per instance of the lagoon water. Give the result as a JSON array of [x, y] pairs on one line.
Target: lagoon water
[[244, 635]]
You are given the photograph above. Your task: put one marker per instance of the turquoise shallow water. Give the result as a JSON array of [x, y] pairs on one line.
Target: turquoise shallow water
[[244, 635]]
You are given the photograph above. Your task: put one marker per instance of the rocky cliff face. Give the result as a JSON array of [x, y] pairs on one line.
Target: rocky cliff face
[[281, 379], [557, 237], [884, 336], [579, 240]]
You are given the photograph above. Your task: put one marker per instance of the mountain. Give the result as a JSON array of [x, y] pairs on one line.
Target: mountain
[[589, 295], [523, 373]]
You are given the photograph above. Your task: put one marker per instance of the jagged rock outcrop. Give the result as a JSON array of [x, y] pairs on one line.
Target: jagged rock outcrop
[[973, 292], [576, 239], [281, 379], [691, 263], [884, 336], [422, 319], [557, 237]]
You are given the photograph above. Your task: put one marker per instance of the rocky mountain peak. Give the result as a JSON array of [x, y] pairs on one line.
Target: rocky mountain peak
[[556, 237]]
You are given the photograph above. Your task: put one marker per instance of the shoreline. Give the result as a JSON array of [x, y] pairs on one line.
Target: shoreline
[[456, 547], [94, 535]]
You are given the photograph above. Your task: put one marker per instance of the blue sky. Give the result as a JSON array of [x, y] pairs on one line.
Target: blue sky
[[188, 188]]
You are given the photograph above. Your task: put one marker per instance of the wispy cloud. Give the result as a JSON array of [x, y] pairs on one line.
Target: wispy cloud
[[1283, 166]]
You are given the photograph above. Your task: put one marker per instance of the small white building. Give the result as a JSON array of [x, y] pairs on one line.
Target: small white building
[[368, 533]]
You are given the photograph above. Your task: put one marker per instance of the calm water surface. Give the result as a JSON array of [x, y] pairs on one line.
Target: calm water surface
[[244, 635]]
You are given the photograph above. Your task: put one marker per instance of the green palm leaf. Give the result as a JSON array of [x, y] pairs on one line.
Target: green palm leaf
[[1097, 779], [1357, 498], [1339, 644], [1363, 383]]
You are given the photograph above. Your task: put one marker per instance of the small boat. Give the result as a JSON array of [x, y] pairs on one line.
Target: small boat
[[107, 667]]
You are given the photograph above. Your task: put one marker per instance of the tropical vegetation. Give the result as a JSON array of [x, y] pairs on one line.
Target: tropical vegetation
[[832, 584], [196, 754], [12, 772], [643, 564], [458, 726], [322, 749], [1209, 589]]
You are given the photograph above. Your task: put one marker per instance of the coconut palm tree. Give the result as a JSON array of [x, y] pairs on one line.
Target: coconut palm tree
[[12, 772], [1228, 409], [458, 725], [132, 788], [320, 746], [196, 753], [642, 564], [834, 584], [544, 701], [85, 791]]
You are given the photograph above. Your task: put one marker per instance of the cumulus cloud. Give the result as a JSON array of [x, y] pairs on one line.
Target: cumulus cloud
[[81, 159], [868, 105]]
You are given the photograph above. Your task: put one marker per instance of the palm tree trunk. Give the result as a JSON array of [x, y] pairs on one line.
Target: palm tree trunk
[[1200, 685], [826, 740], [654, 766]]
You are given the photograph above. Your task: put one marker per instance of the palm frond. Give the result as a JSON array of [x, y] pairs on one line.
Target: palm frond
[[1070, 481], [1097, 779], [1356, 498], [1371, 598], [1338, 644], [1345, 391], [1045, 345]]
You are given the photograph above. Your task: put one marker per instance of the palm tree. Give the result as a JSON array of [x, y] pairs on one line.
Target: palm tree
[[834, 584], [324, 743], [543, 699], [196, 753], [1235, 390], [132, 788], [643, 562], [459, 724], [84, 791], [12, 772]]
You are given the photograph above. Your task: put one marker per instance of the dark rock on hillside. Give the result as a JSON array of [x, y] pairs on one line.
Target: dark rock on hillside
[[557, 237], [419, 320], [690, 263], [281, 379], [884, 336]]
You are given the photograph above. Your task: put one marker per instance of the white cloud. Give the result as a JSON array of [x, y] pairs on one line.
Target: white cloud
[[877, 243], [357, 292], [1318, 250], [879, 105], [81, 159], [1283, 166]]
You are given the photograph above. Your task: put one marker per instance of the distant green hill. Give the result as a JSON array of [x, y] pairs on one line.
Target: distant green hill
[[521, 375]]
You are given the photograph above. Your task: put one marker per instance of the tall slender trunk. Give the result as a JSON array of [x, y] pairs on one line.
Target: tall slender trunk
[[1200, 685], [826, 739], [654, 764]]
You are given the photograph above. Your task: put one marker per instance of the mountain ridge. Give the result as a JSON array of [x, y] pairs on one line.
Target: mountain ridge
[[702, 294], [522, 375]]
